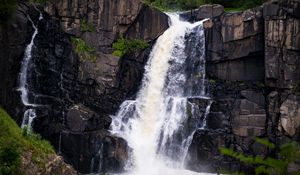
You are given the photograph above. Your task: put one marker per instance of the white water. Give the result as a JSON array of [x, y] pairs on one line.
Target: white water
[[29, 114], [156, 125]]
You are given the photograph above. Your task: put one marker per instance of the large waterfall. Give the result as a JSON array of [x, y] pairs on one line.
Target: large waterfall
[[157, 125], [30, 113]]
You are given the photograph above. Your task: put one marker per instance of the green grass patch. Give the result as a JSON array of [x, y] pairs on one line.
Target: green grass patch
[[123, 46], [14, 143], [84, 51]]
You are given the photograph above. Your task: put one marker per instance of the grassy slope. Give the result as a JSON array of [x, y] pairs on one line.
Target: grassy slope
[[13, 139]]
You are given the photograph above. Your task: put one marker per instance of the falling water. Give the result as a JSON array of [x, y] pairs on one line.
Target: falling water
[[156, 125], [29, 114]]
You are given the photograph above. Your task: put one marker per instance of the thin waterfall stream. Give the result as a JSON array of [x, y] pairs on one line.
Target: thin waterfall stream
[[30, 113], [157, 125]]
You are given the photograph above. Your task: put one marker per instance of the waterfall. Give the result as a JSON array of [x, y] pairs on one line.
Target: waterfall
[[30, 113], [156, 125]]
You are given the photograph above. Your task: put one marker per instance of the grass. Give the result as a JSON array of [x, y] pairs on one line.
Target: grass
[[14, 143]]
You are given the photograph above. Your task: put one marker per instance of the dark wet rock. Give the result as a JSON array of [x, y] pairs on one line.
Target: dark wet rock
[[96, 151], [14, 36]]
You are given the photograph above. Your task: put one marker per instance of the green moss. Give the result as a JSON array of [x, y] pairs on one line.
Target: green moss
[[123, 46], [14, 143], [84, 51]]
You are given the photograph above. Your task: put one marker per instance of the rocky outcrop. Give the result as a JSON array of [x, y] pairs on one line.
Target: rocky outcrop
[[289, 121], [54, 166]]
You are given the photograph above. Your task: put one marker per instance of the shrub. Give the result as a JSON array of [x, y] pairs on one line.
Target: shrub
[[123, 46], [287, 153], [83, 50], [86, 27]]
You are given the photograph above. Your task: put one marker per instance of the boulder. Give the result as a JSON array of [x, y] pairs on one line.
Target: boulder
[[290, 115], [210, 11], [204, 11], [79, 119]]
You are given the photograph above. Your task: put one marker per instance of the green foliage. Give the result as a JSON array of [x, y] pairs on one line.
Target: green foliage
[[14, 143], [86, 27], [288, 153], [7, 8], [84, 51], [231, 5], [212, 82], [123, 46], [9, 159]]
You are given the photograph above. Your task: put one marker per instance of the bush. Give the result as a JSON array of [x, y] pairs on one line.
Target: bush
[[287, 154], [83, 50], [123, 46]]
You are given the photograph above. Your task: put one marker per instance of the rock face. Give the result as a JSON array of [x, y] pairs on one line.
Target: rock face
[[253, 67], [290, 115], [282, 44], [14, 36], [77, 96], [55, 165]]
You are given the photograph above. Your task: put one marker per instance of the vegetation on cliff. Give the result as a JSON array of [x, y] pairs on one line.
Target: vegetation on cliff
[[15, 145], [285, 155], [84, 51], [123, 46], [166, 5]]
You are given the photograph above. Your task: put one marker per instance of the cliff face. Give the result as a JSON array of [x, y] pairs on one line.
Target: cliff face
[[77, 96], [253, 64]]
